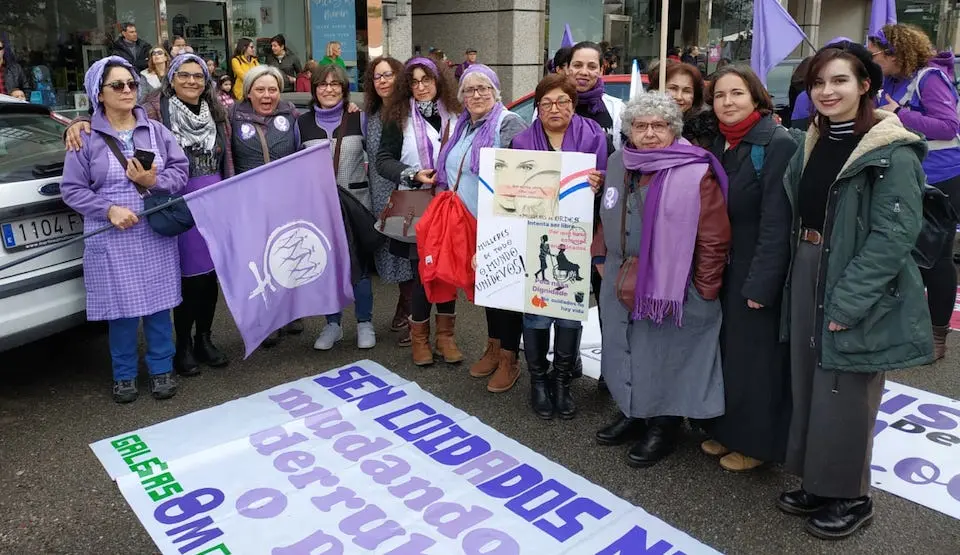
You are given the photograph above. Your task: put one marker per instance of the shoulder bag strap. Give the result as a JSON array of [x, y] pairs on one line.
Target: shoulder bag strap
[[445, 134], [115, 149], [456, 185], [336, 149], [263, 143]]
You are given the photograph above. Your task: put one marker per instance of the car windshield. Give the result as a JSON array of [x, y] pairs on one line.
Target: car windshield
[[31, 146], [778, 82], [617, 90]]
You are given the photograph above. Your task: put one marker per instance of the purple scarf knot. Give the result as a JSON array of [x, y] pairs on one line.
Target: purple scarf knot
[[593, 99], [420, 125], [669, 236]]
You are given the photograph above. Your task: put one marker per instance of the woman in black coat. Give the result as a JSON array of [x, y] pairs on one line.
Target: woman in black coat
[[755, 152]]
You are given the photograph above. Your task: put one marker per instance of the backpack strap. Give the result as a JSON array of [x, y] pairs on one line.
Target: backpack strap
[[914, 87]]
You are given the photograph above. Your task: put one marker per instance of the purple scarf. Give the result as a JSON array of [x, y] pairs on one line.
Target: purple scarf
[[329, 119], [593, 99], [486, 134], [668, 238], [420, 124], [582, 135]]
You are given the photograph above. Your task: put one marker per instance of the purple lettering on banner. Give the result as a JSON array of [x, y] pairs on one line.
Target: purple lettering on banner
[[461, 452], [371, 538], [380, 397], [348, 390], [417, 545], [428, 493], [897, 403], [188, 505], [316, 474], [937, 417], [634, 542], [343, 376], [487, 466], [430, 424], [383, 472], [293, 461], [297, 403], [905, 425], [438, 515], [561, 494], [321, 426], [569, 513], [387, 419], [311, 545], [271, 440], [430, 445], [355, 447], [261, 503], [198, 530], [340, 495], [478, 542], [512, 482]]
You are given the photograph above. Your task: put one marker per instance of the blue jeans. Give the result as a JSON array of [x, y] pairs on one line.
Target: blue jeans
[[158, 330], [363, 305], [537, 322]]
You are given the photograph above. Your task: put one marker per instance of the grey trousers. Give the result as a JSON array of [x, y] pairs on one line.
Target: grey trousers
[[831, 429]]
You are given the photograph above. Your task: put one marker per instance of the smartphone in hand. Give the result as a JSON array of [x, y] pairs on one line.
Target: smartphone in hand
[[145, 157]]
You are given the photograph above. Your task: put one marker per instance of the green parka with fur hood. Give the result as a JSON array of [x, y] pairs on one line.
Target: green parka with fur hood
[[868, 280]]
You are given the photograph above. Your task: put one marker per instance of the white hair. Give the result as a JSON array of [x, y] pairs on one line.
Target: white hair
[[654, 103], [483, 80], [257, 72]]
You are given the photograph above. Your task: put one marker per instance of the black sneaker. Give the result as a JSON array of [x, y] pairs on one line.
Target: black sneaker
[[125, 391], [163, 386]]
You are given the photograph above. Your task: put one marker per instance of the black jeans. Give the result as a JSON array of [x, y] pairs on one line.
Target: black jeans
[[505, 325], [421, 307], [941, 279], [200, 294]]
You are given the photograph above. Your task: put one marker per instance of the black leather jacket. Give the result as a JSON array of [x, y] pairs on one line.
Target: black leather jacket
[[15, 78]]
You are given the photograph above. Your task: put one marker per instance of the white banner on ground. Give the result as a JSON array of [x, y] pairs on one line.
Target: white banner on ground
[[358, 460]]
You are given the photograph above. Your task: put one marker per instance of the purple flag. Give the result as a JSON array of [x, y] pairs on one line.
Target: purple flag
[[278, 242], [882, 12], [567, 39], [775, 36]]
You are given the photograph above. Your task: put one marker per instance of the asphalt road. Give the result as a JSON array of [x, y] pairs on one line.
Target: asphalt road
[[55, 399]]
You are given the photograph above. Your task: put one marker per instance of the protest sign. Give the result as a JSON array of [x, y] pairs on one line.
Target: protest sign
[[358, 460], [534, 229]]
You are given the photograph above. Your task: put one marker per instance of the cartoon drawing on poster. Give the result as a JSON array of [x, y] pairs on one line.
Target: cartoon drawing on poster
[[558, 285], [527, 184]]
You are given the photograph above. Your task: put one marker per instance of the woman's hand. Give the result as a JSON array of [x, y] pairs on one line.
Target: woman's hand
[[427, 177], [140, 176], [122, 218], [473, 262], [595, 179], [74, 140], [352, 108], [890, 104], [754, 304], [17, 93], [836, 327]]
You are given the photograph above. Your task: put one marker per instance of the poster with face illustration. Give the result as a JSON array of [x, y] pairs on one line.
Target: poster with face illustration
[[534, 229]]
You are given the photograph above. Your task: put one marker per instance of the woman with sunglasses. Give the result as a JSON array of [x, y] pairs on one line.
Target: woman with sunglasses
[[417, 121], [157, 63], [188, 107], [131, 273]]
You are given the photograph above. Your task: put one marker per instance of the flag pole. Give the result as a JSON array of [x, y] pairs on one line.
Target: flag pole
[[664, 18]]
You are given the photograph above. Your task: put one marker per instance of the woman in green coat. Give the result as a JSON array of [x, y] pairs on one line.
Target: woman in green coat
[[856, 297]]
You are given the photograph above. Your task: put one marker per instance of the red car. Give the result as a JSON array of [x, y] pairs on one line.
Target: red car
[[615, 85]]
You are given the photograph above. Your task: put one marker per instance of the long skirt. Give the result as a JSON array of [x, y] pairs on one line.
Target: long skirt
[[831, 431]]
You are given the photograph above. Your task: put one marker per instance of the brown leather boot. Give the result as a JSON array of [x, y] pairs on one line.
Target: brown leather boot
[[488, 362], [940, 341], [402, 314], [507, 372], [446, 343], [420, 337]]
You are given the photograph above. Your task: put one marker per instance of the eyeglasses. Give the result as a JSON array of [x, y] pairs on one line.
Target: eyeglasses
[[426, 82], [158, 53], [484, 91], [549, 105], [382, 76], [119, 86], [187, 76], [330, 85], [658, 127]]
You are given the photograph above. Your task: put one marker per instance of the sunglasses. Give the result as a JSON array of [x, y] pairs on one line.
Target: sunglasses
[[119, 86]]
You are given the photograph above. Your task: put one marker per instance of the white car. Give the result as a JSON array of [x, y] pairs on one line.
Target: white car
[[45, 295]]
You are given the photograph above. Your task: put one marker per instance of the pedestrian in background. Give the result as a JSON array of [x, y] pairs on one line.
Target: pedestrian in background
[[305, 77], [155, 73], [334, 51], [284, 60], [244, 59], [469, 58]]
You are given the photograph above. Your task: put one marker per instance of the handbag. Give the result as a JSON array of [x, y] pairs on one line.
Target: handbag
[[939, 225], [627, 274], [171, 220], [399, 217]]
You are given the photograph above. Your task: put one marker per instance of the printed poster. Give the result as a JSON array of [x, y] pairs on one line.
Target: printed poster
[[534, 229]]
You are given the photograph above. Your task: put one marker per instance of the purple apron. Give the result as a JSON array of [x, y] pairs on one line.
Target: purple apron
[[194, 255]]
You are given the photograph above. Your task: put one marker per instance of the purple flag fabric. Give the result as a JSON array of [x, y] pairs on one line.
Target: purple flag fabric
[[567, 39], [775, 36], [277, 239], [882, 12]]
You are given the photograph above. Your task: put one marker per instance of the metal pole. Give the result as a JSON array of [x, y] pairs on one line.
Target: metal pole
[[664, 29]]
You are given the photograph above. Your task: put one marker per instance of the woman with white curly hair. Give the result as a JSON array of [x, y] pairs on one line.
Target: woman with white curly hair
[[665, 236]]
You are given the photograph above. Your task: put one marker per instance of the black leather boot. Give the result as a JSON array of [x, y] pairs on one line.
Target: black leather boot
[[623, 430], [801, 503], [578, 367], [659, 441], [207, 353], [535, 345], [566, 346], [183, 361], [841, 518]]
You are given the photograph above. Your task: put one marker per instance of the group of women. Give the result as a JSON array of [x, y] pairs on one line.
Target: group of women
[[754, 280]]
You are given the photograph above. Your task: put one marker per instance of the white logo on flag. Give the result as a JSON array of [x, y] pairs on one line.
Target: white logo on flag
[[295, 255]]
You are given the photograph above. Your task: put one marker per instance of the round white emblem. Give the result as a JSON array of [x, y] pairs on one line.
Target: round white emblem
[[610, 198], [281, 124], [296, 254], [246, 131]]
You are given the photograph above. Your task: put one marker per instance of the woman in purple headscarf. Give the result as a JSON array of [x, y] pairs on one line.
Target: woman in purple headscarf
[[484, 122], [187, 105], [131, 273], [663, 213]]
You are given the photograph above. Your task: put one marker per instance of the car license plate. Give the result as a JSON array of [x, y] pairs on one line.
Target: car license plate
[[40, 230]]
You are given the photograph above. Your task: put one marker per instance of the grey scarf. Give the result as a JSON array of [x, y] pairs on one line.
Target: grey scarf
[[192, 130]]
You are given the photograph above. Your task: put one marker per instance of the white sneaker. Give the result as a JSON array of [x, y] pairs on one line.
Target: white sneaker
[[366, 337], [330, 336]]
